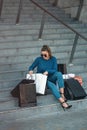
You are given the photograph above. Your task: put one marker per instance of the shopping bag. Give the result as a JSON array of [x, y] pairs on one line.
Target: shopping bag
[[68, 76], [27, 95], [79, 79], [25, 91], [40, 81]]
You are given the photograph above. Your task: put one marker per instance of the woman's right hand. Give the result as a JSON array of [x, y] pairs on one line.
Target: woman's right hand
[[31, 72]]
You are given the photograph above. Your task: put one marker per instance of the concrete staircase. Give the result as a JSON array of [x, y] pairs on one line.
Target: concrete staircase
[[19, 45]]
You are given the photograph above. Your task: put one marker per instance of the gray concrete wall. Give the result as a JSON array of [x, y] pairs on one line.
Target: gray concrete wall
[[83, 16], [71, 7]]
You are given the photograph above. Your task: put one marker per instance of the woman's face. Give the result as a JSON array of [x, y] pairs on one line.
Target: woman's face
[[45, 55]]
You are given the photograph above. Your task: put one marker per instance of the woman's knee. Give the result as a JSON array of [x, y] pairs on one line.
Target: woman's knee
[[60, 79], [58, 74]]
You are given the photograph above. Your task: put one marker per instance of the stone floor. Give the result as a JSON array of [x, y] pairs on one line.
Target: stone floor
[[65, 121]]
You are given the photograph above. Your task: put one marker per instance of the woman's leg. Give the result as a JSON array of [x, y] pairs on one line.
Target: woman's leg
[[60, 82], [56, 93], [58, 78], [54, 89]]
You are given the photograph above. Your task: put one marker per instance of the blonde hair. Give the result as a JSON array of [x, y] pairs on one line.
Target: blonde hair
[[47, 48]]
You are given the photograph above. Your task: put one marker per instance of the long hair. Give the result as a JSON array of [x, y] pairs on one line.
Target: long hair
[[47, 48]]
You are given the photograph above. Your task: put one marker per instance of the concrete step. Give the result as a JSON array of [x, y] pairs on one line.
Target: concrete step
[[24, 51], [77, 68], [15, 8], [25, 44], [9, 84], [46, 5], [21, 73], [17, 38], [21, 68], [33, 31], [35, 37], [79, 61], [18, 59], [8, 104], [51, 122], [12, 103], [37, 26], [28, 20], [9, 21], [28, 12], [15, 74], [40, 110], [16, 46], [29, 51], [37, 43], [5, 94], [15, 66]]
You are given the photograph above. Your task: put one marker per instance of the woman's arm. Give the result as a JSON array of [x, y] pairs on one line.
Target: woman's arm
[[34, 64]]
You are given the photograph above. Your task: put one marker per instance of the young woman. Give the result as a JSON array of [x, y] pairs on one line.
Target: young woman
[[47, 65]]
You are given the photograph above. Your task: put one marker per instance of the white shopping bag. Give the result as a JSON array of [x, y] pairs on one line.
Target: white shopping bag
[[67, 76], [40, 81]]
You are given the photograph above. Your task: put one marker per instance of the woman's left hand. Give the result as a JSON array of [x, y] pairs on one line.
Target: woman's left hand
[[45, 73]]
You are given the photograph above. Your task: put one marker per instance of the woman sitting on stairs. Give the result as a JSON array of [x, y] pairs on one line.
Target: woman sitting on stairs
[[47, 65]]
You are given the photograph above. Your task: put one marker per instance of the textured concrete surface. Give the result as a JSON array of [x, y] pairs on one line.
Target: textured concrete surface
[[65, 121]]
